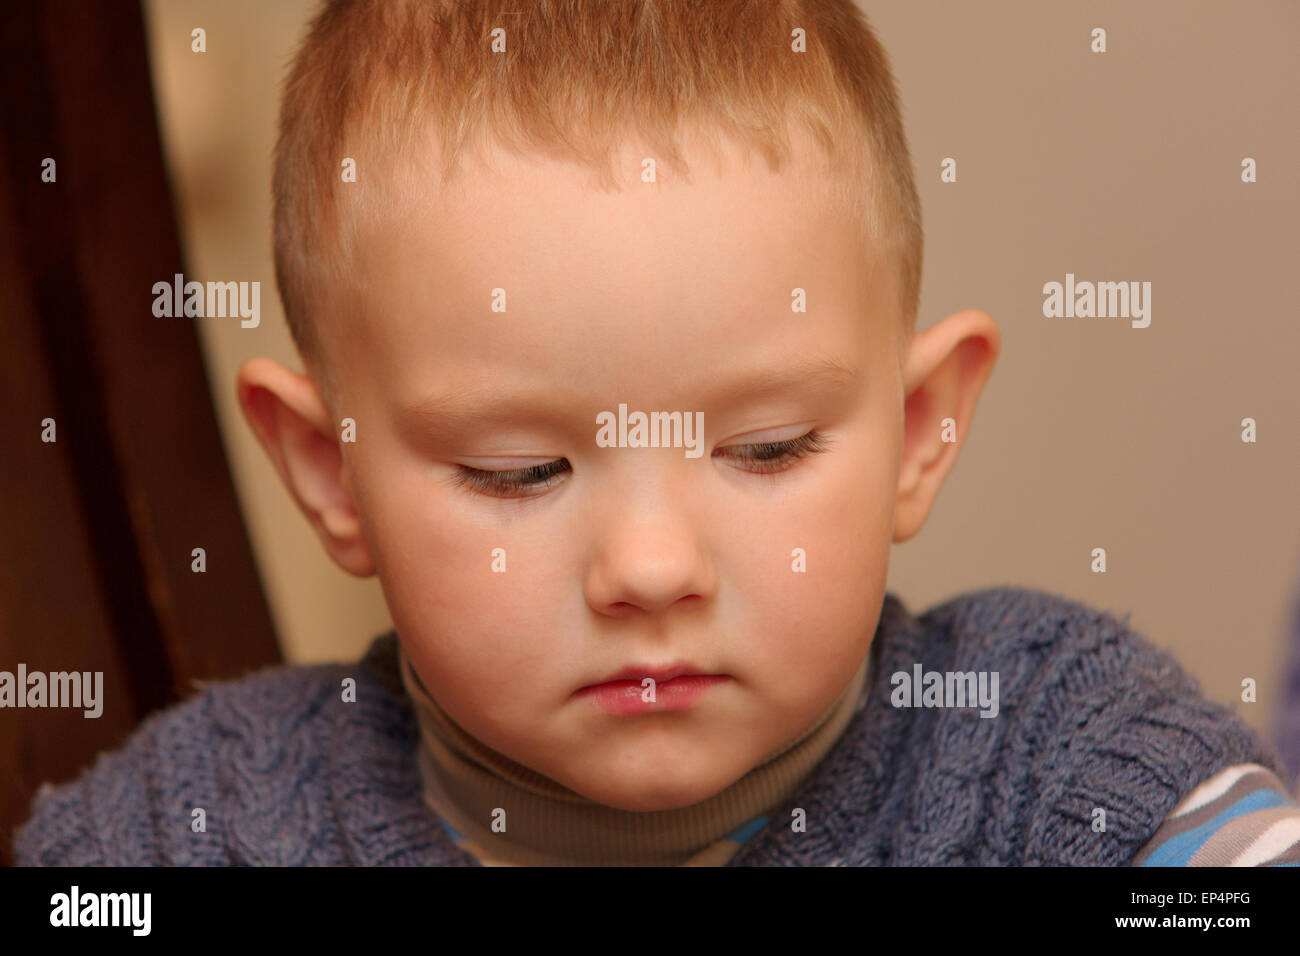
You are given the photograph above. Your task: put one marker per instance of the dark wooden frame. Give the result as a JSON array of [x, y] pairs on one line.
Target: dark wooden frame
[[96, 529]]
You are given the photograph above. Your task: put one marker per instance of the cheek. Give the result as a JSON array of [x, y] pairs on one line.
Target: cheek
[[815, 623], [470, 602]]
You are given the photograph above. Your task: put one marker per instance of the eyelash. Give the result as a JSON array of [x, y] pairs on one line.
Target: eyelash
[[773, 457]]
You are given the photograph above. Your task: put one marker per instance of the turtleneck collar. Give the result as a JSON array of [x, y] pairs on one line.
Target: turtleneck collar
[[465, 782]]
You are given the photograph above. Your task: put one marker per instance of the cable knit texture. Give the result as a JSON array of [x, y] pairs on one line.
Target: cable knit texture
[[1091, 715], [1289, 718]]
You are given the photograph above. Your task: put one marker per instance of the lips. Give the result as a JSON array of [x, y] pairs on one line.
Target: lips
[[660, 674], [628, 698]]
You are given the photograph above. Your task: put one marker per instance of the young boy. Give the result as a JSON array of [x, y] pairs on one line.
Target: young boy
[[539, 257]]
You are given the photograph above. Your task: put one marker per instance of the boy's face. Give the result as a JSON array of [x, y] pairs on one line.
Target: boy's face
[[664, 297]]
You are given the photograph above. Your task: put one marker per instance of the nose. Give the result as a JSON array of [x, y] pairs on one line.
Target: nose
[[649, 553]]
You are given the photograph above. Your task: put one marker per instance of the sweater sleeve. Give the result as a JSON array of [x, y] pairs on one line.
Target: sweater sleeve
[[1242, 816], [244, 772], [102, 818], [1101, 733], [133, 805]]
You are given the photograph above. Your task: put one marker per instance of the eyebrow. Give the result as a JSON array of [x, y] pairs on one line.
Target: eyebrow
[[483, 405]]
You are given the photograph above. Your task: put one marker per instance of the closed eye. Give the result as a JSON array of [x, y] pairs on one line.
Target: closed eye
[[510, 484], [764, 458], [775, 456]]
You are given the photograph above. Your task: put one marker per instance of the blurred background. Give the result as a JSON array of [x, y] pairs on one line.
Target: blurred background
[[1123, 165]]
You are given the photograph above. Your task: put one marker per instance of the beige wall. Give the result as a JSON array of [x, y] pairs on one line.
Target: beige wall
[[1115, 166], [218, 113]]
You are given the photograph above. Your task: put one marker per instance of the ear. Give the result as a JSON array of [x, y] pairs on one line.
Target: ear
[[944, 372], [290, 419]]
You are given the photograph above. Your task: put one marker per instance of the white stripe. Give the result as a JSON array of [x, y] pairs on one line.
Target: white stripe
[[1271, 842], [1216, 787]]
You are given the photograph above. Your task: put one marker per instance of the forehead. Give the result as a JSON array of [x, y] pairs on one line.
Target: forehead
[[519, 261]]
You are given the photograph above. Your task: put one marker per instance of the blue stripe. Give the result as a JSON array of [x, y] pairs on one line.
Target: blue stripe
[[748, 830], [451, 831], [1179, 850]]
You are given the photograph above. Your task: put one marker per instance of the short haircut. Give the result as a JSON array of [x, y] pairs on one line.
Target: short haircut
[[373, 76]]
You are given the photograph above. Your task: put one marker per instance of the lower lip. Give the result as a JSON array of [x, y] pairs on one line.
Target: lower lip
[[623, 697]]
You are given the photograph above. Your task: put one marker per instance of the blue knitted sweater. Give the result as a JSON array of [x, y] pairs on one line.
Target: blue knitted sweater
[[1091, 715]]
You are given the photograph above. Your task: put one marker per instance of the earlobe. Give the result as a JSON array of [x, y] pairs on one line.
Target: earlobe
[[293, 425], [944, 373]]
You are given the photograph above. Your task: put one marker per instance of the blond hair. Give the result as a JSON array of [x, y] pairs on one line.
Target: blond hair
[[576, 74]]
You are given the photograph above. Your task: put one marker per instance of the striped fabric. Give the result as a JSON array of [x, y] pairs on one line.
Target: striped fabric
[[1242, 816]]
